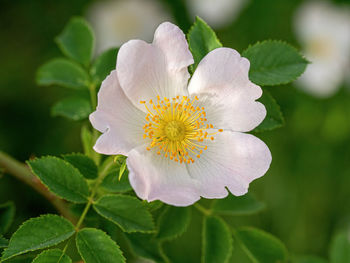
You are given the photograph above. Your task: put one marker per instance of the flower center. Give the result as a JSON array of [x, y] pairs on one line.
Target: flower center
[[177, 128]]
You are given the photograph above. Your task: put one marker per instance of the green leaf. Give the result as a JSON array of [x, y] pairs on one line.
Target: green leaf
[[274, 63], [61, 178], [3, 242], [340, 248], [83, 163], [173, 222], [95, 246], [77, 40], [201, 39], [309, 259], [126, 211], [111, 182], [7, 213], [62, 72], [104, 64], [262, 247], [21, 259], [146, 246], [154, 205], [87, 141], [74, 108], [274, 117], [237, 205], [38, 233], [217, 241], [52, 256]]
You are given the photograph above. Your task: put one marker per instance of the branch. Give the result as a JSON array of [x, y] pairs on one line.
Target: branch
[[23, 173]]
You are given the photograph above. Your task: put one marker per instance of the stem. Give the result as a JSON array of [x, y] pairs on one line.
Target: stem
[[202, 209], [92, 196], [23, 173]]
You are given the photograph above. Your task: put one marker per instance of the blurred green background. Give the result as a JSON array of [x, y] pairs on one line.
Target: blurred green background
[[307, 188]]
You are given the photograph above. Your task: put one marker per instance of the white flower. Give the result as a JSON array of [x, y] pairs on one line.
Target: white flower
[[324, 31], [117, 21], [217, 13], [182, 141]]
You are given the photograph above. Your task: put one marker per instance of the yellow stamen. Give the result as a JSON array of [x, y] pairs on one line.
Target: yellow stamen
[[176, 128]]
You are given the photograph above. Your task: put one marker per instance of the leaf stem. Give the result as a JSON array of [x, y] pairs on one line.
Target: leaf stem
[[23, 173], [202, 209], [99, 180]]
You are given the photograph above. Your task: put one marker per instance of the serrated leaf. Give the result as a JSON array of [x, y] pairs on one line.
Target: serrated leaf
[[237, 205], [38, 233], [83, 163], [274, 63], [126, 211], [309, 259], [201, 39], [146, 246], [87, 141], [3, 242], [95, 246], [62, 178], [7, 213], [173, 222], [52, 256], [74, 108], [262, 247], [340, 248], [274, 118], [104, 64], [217, 241], [77, 40], [62, 72]]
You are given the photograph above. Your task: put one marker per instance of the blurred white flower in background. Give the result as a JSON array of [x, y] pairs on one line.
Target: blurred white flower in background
[[324, 32], [117, 21], [216, 13]]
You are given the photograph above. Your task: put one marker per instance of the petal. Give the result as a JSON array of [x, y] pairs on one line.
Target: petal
[[222, 76], [119, 121], [155, 177], [232, 160], [172, 41], [147, 70]]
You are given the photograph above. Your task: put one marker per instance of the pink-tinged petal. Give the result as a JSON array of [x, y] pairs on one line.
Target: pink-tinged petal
[[222, 78], [154, 177], [172, 41], [116, 117], [232, 160], [147, 70]]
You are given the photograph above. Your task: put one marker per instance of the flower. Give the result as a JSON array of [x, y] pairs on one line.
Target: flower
[[117, 21], [183, 141], [324, 31], [217, 13]]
